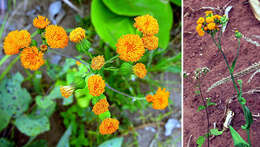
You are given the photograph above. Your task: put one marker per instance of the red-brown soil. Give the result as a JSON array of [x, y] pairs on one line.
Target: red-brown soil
[[201, 52]]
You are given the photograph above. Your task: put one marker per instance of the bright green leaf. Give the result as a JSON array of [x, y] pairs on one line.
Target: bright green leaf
[[115, 142], [176, 2], [215, 132], [104, 115], [201, 107], [64, 141], [200, 141], [238, 140]]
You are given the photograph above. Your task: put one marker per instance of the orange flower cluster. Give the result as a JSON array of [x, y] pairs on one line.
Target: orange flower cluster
[[211, 23], [66, 91], [56, 36], [97, 62], [15, 41], [77, 35], [41, 22], [32, 58], [130, 48], [160, 99], [96, 85], [108, 126], [140, 70], [150, 42], [101, 106]]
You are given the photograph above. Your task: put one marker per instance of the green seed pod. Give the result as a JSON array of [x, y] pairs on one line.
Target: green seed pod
[[83, 46], [126, 69]]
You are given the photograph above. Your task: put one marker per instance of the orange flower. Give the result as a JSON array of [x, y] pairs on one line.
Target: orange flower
[[199, 30], [43, 47], [78, 63], [66, 91], [208, 13], [209, 19], [160, 99], [130, 47], [147, 24], [41, 22], [108, 126], [96, 85], [77, 35], [201, 20], [31, 58], [101, 106], [211, 26], [150, 42], [140, 70], [217, 17], [56, 36], [16, 40], [97, 62], [149, 98]]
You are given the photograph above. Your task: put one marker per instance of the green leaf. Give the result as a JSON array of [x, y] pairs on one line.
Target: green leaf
[[115, 142], [95, 99], [104, 115], [248, 118], [6, 143], [238, 140], [83, 46], [201, 107], [215, 132], [38, 143], [37, 81], [209, 103], [200, 141], [64, 141], [174, 69], [176, 2], [14, 100], [32, 126], [109, 26], [142, 7], [43, 102]]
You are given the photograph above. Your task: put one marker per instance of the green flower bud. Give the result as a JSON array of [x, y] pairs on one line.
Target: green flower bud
[[34, 42], [126, 69], [83, 46], [238, 34]]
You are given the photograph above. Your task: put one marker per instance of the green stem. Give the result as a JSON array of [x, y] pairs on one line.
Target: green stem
[[4, 59], [34, 34], [9, 67], [111, 60]]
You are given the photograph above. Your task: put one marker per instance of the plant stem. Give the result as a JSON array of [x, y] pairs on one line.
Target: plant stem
[[111, 60], [206, 108], [9, 67], [4, 59]]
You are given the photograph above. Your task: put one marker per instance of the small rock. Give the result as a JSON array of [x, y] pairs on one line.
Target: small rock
[[171, 125]]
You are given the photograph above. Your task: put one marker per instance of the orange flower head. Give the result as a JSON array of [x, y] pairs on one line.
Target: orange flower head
[[101, 106], [66, 91], [11, 46], [78, 63], [77, 35], [43, 47], [217, 17], [130, 48], [97, 62], [209, 19], [160, 99], [140, 70], [199, 30], [96, 85], [211, 26], [16, 40], [150, 42], [201, 20], [147, 24], [108, 126], [41, 22], [32, 58], [56, 36], [149, 98]]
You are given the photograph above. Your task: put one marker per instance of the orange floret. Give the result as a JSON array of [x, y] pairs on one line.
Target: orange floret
[[140, 70], [149, 98], [199, 30], [101, 106], [41, 22], [96, 85], [130, 48], [56, 36], [16, 40], [160, 99], [66, 91], [31, 58], [147, 24], [108, 126], [97, 62], [201, 20], [77, 35], [208, 13], [150, 42], [211, 26], [209, 19]]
